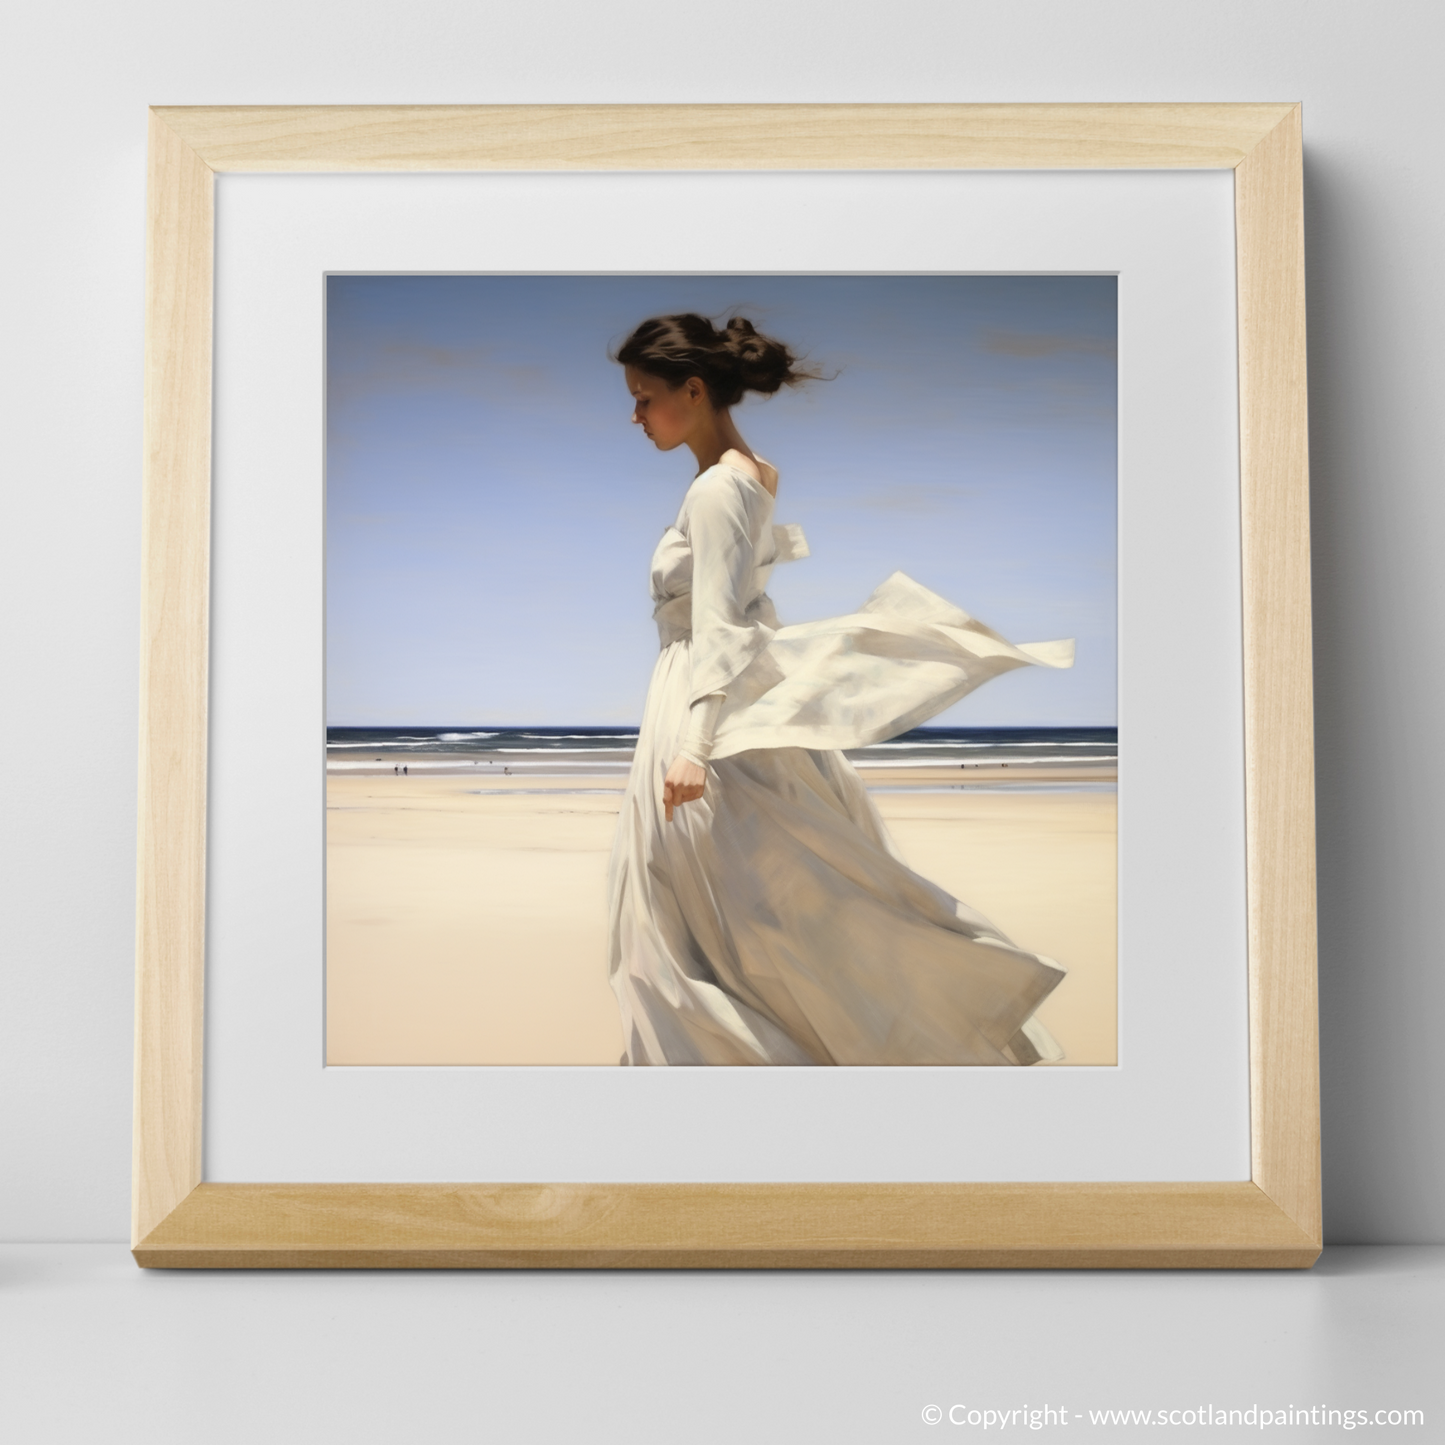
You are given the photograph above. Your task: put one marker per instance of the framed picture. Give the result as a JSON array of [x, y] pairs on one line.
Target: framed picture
[[1182, 1130]]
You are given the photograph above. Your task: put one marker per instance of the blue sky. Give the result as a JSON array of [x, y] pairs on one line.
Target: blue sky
[[491, 512]]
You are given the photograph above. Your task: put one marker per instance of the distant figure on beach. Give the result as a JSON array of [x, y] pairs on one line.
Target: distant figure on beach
[[759, 912]]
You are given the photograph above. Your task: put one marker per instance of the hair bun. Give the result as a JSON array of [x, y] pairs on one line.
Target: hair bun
[[731, 361], [763, 364]]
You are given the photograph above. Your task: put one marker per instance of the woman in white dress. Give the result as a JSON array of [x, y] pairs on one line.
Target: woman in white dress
[[760, 914]]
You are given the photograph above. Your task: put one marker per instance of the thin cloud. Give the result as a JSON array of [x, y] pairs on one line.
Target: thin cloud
[[1030, 344], [405, 366], [918, 498]]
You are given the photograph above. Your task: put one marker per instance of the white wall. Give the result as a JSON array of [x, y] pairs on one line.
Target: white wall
[[75, 78]]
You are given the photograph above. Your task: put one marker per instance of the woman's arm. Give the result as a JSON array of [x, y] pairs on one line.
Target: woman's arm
[[687, 777], [719, 522], [719, 526]]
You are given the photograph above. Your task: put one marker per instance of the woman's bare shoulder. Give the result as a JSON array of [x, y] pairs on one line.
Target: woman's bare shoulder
[[765, 474]]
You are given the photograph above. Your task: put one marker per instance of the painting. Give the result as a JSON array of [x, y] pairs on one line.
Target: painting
[[721, 670]]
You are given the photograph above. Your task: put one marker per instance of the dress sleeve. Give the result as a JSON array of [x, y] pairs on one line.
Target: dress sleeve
[[720, 532], [702, 718]]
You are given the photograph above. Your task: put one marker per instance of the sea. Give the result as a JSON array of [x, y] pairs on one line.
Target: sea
[[1090, 753]]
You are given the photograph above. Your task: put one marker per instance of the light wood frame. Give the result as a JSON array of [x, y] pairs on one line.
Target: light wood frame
[[1273, 1220]]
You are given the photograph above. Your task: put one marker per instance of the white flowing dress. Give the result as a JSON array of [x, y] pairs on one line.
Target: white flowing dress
[[773, 921]]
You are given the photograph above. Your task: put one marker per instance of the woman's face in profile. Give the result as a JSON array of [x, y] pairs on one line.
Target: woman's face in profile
[[667, 414]]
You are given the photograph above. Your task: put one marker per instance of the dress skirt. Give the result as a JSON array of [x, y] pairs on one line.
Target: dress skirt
[[773, 921]]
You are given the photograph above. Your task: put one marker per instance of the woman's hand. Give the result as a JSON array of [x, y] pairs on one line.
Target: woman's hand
[[683, 784]]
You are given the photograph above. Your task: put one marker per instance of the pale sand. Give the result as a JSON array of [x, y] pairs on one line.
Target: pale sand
[[467, 928]]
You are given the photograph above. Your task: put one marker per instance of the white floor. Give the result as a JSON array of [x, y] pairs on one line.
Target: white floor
[[93, 1349]]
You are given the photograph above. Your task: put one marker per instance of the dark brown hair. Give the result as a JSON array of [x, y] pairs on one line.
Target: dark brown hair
[[730, 361]]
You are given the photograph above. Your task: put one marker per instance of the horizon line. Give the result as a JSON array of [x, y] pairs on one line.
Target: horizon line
[[635, 727]]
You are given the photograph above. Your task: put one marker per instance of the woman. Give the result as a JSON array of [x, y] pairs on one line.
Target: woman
[[760, 913]]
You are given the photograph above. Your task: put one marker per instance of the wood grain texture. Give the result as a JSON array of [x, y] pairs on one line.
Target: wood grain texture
[[1271, 1222], [175, 558], [790, 1226], [1278, 681], [719, 137]]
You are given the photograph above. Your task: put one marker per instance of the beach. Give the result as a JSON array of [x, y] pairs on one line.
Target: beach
[[467, 910]]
